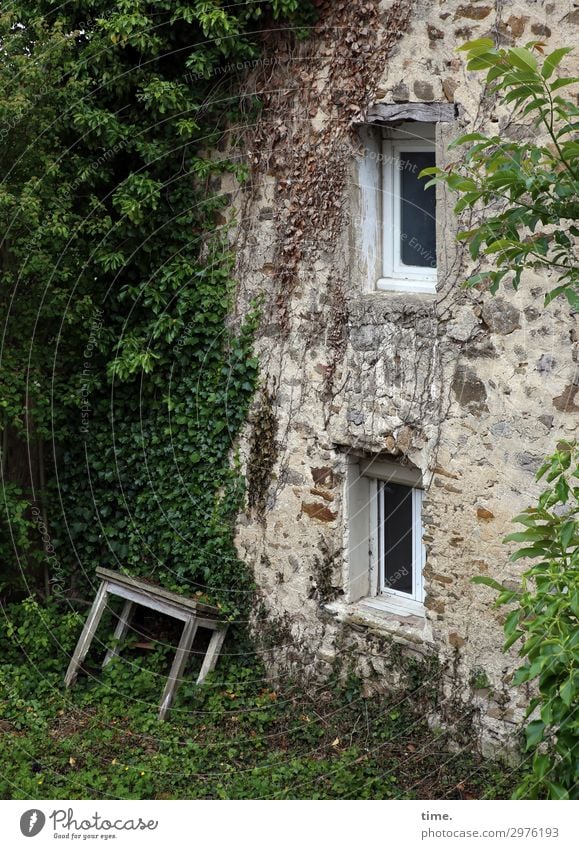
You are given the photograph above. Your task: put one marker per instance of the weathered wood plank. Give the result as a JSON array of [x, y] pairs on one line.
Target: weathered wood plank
[[120, 630], [178, 667], [212, 654], [160, 605], [152, 590], [386, 113], [211, 624], [88, 632]]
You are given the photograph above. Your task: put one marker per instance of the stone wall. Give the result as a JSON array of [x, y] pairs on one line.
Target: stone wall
[[470, 389]]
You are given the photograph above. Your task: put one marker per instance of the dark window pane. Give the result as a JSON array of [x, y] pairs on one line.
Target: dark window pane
[[396, 533], [418, 222]]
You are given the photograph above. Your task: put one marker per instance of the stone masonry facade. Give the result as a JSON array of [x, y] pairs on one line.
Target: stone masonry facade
[[468, 390]]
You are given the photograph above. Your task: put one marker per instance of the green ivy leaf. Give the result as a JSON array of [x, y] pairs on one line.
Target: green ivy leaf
[[488, 582], [534, 733], [556, 791]]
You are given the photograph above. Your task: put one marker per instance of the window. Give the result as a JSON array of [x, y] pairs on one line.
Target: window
[[408, 209], [395, 216], [385, 549], [396, 539]]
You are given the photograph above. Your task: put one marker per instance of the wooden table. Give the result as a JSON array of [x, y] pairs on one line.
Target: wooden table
[[192, 613]]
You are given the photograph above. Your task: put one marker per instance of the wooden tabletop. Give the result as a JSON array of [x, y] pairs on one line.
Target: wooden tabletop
[[149, 588]]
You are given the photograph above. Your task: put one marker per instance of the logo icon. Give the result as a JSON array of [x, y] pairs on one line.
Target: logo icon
[[32, 822]]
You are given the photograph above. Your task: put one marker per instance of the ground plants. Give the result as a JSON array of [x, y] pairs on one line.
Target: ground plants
[[240, 736]]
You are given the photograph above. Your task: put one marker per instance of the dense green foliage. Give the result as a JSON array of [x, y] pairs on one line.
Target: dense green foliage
[[237, 737], [512, 187], [546, 621], [525, 195], [119, 376]]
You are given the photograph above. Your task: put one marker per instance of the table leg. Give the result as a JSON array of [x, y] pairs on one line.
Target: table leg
[[87, 634], [120, 630], [178, 667], [212, 654]]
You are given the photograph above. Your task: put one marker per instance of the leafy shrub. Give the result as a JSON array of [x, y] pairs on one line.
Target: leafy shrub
[[117, 282], [517, 188], [546, 621]]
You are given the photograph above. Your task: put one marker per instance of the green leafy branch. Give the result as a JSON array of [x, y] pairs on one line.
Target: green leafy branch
[[525, 196], [545, 621]]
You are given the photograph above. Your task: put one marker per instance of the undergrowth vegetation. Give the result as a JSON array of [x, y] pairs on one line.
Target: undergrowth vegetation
[[240, 736]]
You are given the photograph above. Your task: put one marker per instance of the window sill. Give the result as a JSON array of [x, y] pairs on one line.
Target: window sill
[[380, 617], [376, 305], [414, 286], [397, 604]]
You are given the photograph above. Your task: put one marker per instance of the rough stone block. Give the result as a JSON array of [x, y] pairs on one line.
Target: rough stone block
[[500, 316], [318, 511], [470, 391], [484, 514], [565, 402], [473, 12], [424, 90]]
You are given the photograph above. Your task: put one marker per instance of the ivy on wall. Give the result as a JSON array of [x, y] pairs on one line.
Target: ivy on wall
[[120, 378]]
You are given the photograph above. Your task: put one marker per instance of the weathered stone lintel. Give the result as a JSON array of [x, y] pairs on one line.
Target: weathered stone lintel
[[385, 113]]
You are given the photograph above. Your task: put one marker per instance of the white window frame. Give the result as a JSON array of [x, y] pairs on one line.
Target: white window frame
[[415, 138], [387, 595], [362, 566]]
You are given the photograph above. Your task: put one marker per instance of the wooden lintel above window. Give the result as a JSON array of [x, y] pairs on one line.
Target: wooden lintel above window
[[386, 113]]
